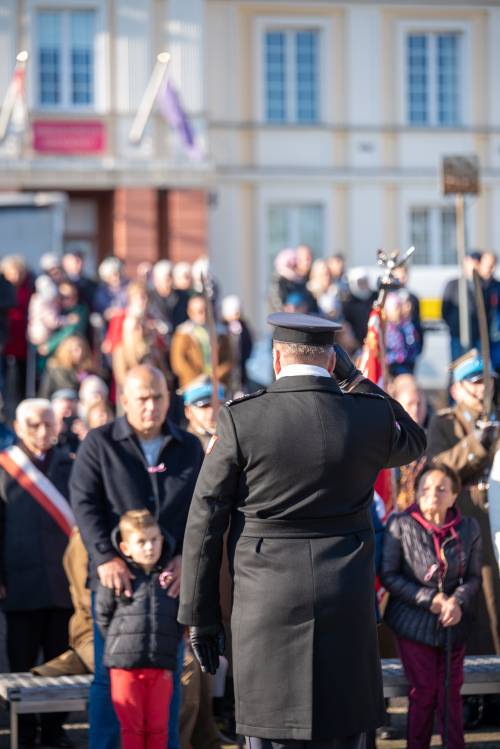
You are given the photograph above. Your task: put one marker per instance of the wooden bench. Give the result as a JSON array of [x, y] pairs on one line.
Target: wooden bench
[[481, 676], [26, 693]]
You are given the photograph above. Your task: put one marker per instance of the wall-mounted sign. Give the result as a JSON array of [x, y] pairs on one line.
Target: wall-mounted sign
[[460, 175], [69, 137]]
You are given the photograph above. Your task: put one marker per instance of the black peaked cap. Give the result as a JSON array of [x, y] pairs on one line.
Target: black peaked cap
[[295, 327]]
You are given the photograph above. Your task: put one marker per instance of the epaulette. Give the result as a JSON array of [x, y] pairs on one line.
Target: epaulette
[[444, 412], [245, 397]]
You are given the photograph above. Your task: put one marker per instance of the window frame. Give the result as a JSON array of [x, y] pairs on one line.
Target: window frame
[[65, 67], [101, 81], [283, 194], [323, 26], [435, 27], [293, 207], [435, 213]]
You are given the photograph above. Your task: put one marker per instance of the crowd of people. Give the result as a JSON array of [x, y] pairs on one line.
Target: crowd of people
[[109, 409]]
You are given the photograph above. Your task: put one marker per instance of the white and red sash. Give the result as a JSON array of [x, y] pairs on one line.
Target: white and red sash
[[19, 466]]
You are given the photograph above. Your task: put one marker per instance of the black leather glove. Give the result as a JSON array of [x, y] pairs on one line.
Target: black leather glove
[[487, 433], [208, 643], [345, 370]]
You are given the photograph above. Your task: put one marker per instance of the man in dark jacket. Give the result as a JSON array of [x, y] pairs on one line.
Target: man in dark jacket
[[7, 301], [451, 307], [293, 468], [357, 304], [35, 523], [139, 461]]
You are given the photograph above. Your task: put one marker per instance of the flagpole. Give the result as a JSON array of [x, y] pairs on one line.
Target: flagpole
[[149, 98], [11, 94], [387, 281]]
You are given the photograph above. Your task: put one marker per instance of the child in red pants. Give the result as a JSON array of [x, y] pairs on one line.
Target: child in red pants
[[142, 635]]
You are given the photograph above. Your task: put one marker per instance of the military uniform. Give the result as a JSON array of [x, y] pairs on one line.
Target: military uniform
[[292, 469], [453, 441]]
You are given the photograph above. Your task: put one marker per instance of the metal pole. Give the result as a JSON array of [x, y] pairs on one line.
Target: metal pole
[[463, 299], [13, 92], [447, 674], [149, 98]]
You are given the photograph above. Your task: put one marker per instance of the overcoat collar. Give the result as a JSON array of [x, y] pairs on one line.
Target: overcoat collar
[[304, 382], [122, 431]]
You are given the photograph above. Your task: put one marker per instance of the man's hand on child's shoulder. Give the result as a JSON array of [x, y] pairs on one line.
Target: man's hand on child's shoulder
[[170, 578], [117, 575]]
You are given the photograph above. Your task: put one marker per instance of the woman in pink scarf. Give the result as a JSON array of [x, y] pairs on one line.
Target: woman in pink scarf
[[431, 566]]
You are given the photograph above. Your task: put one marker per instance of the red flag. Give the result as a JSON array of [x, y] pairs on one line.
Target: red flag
[[371, 364], [371, 359]]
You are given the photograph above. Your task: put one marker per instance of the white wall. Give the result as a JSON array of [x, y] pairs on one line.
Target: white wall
[[366, 231], [364, 75]]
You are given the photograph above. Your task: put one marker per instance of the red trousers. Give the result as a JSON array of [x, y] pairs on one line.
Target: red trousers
[[141, 698], [425, 670]]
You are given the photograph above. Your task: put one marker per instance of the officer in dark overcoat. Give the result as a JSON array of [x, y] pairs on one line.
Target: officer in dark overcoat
[[293, 467]]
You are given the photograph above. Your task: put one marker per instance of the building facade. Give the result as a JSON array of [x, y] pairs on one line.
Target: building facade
[[328, 122], [89, 65], [323, 123]]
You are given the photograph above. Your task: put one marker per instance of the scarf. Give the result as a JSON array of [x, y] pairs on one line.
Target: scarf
[[440, 534]]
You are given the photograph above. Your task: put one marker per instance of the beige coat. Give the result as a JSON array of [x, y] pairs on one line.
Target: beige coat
[[79, 659], [186, 356]]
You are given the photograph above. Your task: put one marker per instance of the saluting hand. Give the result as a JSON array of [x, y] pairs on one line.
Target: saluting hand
[[346, 373], [116, 574]]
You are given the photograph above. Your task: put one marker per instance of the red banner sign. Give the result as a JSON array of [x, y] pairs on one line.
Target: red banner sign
[[69, 137]]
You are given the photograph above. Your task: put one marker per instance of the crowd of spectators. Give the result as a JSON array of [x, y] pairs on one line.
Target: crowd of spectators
[[115, 321], [61, 327], [72, 340]]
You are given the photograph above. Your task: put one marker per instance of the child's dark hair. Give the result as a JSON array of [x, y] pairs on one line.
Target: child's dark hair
[[135, 520], [456, 484]]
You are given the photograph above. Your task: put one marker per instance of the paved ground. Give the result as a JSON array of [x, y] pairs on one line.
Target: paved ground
[[483, 738], [487, 737]]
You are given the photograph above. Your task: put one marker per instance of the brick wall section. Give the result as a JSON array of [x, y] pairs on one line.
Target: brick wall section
[[135, 226], [187, 224]]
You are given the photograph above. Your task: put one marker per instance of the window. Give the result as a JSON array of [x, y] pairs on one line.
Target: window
[[432, 233], [433, 78], [65, 56], [291, 65], [289, 225]]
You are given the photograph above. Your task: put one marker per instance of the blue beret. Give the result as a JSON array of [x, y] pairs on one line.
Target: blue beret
[[66, 394], [201, 394], [469, 367]]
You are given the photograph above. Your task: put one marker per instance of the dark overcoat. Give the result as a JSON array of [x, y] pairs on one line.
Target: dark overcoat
[[31, 542], [453, 440], [111, 476], [293, 467]]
